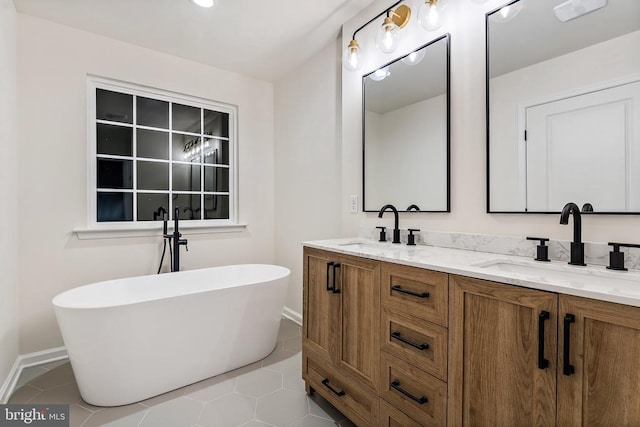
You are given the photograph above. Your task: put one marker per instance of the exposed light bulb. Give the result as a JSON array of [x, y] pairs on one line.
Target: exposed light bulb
[[387, 36], [352, 57], [431, 14], [203, 3], [414, 57], [380, 74]]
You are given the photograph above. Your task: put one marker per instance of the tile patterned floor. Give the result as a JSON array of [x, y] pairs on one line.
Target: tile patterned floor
[[267, 393]]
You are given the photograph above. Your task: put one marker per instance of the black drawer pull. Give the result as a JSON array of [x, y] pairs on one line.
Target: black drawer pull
[[398, 288], [396, 386], [329, 265], [567, 368], [396, 335], [325, 382], [542, 362], [335, 289]]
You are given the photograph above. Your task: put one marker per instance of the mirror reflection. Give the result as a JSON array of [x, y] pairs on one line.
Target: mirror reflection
[[563, 104], [406, 131]]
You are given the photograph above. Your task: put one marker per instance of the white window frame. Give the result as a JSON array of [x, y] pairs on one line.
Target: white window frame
[[95, 229]]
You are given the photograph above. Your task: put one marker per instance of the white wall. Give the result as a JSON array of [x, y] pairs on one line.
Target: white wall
[[53, 62], [308, 161], [8, 190], [468, 180], [617, 58]]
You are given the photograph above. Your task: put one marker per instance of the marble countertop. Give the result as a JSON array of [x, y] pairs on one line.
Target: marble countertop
[[591, 281]]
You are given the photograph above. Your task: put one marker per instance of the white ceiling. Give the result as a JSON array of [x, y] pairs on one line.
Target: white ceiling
[[263, 39]]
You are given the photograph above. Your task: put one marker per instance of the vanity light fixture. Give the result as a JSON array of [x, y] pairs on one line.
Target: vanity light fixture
[[203, 3], [386, 37], [380, 74], [573, 9], [431, 14]]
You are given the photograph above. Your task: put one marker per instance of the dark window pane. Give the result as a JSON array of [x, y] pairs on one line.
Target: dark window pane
[[153, 144], [216, 152], [114, 140], [152, 112], [186, 177], [114, 106], [216, 123], [216, 179], [186, 148], [186, 119], [216, 207], [115, 207], [189, 205], [115, 173], [153, 176], [148, 204]]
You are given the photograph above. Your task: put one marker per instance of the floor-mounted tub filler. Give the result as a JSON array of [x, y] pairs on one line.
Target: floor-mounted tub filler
[[131, 339]]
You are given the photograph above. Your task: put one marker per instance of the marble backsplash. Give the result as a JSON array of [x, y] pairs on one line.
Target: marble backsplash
[[595, 253]]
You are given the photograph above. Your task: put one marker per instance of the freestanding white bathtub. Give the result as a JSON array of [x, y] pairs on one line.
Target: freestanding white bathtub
[[134, 338]]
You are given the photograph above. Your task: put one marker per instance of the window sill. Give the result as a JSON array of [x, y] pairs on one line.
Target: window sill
[[115, 231]]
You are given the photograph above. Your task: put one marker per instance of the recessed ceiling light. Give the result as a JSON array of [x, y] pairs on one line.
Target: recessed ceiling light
[[203, 3]]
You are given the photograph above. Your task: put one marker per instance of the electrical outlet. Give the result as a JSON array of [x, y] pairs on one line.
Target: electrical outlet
[[353, 204]]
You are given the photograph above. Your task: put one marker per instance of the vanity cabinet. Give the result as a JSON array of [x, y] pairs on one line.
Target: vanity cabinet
[[494, 373], [507, 358], [341, 320], [604, 351], [392, 345]]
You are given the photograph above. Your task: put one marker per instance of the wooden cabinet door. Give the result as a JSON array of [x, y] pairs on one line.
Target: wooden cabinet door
[[359, 348], [600, 386], [494, 376], [321, 307]]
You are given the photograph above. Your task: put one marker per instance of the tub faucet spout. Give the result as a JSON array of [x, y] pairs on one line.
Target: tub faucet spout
[[177, 241]]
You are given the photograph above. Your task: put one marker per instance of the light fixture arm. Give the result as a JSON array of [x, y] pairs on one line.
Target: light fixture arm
[[386, 11]]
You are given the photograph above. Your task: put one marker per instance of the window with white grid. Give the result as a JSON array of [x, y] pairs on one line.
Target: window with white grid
[[151, 149]]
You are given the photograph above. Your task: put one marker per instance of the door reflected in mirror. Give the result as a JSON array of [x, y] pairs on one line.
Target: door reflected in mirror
[[406, 131], [563, 100]]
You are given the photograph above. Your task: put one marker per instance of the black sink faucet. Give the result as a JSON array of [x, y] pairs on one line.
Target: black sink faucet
[[396, 228], [177, 241], [577, 247]]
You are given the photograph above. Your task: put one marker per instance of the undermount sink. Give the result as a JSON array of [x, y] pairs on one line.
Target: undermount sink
[[553, 272]]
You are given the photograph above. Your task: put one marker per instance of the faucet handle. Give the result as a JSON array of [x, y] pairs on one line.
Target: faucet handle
[[383, 234], [411, 238], [542, 249], [616, 256]]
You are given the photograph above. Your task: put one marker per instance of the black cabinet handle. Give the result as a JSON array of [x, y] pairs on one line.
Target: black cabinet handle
[[335, 289], [396, 335], [329, 265], [398, 288], [396, 386], [567, 368], [542, 362], [339, 393]]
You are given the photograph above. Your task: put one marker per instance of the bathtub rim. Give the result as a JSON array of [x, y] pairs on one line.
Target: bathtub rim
[[58, 301]]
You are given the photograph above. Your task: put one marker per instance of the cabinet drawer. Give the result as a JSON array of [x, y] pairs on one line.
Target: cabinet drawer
[[414, 291], [421, 344], [419, 395], [358, 403], [390, 416]]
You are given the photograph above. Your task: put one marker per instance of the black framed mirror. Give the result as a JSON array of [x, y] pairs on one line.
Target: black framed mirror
[[563, 106], [405, 122]]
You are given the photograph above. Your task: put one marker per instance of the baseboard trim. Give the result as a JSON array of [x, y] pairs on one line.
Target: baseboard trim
[[27, 361], [292, 315]]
